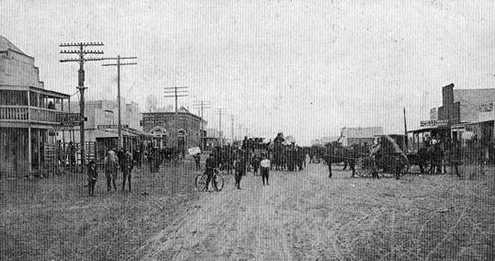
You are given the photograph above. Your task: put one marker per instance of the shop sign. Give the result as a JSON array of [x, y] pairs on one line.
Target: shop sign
[[69, 119], [111, 126], [487, 107], [434, 123]]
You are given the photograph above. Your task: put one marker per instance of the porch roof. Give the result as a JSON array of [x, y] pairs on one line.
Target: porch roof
[[49, 93], [425, 129]]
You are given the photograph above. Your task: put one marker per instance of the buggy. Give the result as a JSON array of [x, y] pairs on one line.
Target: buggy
[[387, 156]]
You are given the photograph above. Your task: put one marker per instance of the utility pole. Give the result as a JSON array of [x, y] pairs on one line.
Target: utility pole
[[176, 92], [405, 128], [202, 105], [118, 64], [81, 52], [220, 125], [232, 127]]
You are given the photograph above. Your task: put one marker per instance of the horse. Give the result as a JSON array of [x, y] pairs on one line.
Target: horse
[[346, 155]]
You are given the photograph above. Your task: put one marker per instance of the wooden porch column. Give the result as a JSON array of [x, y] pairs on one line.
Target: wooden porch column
[[39, 150], [30, 153], [30, 159]]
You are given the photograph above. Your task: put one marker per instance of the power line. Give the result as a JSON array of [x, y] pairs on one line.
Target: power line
[[81, 52], [202, 104], [176, 92], [118, 64]]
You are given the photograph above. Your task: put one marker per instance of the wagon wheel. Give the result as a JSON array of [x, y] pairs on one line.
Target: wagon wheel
[[363, 168]]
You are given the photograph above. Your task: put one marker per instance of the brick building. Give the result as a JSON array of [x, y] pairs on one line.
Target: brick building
[[467, 110], [188, 126]]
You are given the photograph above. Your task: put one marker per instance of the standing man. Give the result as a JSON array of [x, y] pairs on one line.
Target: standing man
[[197, 160], [126, 169], [111, 166], [255, 162], [265, 168], [92, 176], [210, 168], [240, 168]]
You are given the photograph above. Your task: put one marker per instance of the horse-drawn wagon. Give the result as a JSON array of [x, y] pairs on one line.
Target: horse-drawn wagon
[[387, 155]]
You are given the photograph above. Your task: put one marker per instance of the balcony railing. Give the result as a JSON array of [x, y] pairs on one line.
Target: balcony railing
[[11, 112], [20, 113], [42, 114]]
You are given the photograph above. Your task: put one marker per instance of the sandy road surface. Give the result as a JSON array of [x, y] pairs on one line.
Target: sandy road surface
[[307, 216], [257, 222]]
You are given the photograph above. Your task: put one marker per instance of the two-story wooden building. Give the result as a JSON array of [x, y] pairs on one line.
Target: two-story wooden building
[[29, 114]]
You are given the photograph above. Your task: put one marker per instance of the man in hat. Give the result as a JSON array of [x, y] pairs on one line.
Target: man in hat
[[211, 164], [92, 176], [126, 169], [240, 169]]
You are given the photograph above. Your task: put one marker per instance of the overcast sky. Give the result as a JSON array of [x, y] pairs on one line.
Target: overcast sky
[[306, 68]]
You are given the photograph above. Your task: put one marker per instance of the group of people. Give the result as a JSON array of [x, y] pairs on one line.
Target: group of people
[[113, 162], [240, 167]]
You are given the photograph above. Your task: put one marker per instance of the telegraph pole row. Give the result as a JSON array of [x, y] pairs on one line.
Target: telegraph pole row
[[176, 92], [81, 52], [118, 64]]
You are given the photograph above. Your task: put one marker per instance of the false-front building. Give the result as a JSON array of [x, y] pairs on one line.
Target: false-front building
[[29, 114]]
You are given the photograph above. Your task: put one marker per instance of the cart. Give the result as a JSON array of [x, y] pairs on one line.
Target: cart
[[388, 157]]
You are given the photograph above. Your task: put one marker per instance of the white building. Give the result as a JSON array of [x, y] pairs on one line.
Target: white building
[[359, 135]]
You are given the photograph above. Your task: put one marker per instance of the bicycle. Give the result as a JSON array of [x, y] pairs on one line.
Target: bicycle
[[200, 181]]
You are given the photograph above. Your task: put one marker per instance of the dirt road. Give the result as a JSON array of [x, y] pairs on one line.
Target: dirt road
[[257, 222], [307, 216]]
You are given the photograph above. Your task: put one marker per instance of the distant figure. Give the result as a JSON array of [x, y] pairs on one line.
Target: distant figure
[[265, 169], [111, 165], [92, 176], [240, 169], [210, 170], [126, 169], [255, 162], [197, 160], [72, 154]]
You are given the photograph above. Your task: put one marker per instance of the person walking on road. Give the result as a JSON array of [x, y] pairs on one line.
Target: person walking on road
[[240, 168], [111, 166], [92, 176], [265, 168], [126, 169]]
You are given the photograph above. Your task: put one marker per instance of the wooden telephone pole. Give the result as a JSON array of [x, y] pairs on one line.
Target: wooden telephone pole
[[202, 105], [232, 127], [176, 92], [118, 64], [220, 125], [81, 52]]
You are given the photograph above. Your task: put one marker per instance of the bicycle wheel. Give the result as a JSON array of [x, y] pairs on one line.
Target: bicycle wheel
[[200, 182], [218, 181]]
